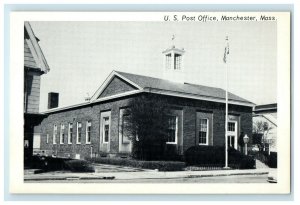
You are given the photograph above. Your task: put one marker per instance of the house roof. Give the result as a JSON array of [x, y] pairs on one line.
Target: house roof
[[266, 108], [149, 83], [33, 55], [146, 84], [268, 116]]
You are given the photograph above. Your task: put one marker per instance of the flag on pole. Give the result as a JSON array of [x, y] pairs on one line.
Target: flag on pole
[[226, 52]]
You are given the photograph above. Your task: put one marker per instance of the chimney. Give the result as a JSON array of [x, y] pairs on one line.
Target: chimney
[[53, 100]]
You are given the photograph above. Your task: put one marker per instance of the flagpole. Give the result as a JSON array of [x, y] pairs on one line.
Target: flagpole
[[226, 120], [226, 105]]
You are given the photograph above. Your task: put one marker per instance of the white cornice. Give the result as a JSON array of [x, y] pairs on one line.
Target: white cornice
[[197, 97], [117, 96], [65, 108], [162, 92]]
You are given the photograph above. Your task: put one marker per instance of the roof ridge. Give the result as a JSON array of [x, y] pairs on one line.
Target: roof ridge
[[120, 72], [194, 84], [186, 83]]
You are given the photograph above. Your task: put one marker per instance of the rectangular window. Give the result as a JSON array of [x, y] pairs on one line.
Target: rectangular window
[[231, 126], [203, 132], [125, 131], [70, 133], [88, 132], [177, 62], [168, 61], [79, 133], [172, 129], [62, 134], [47, 138], [54, 134], [105, 130]]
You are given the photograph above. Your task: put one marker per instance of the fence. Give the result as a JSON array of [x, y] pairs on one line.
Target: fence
[[269, 159], [208, 167]]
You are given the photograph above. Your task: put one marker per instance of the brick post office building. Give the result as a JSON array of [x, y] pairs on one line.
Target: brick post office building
[[197, 114]]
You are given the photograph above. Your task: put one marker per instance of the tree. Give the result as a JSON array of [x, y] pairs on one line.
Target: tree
[[261, 130], [147, 126], [241, 141]]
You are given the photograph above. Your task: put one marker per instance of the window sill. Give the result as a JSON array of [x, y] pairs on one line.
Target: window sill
[[171, 142], [87, 142], [203, 144]]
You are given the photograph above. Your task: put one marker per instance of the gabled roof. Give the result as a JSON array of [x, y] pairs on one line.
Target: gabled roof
[[190, 89], [161, 86], [145, 84], [108, 81], [33, 55]]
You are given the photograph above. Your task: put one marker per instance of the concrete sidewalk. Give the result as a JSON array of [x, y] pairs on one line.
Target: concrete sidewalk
[[150, 174]]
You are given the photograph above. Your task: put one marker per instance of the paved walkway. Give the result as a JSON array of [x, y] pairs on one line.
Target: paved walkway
[[260, 165], [144, 174], [106, 168]]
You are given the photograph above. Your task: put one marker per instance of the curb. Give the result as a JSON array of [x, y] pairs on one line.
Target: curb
[[220, 175], [164, 177], [69, 178]]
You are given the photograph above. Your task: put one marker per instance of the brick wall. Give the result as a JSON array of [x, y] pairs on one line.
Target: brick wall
[[92, 113], [81, 114], [189, 127], [191, 107]]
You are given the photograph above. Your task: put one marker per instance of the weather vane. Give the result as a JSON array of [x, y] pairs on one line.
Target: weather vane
[[173, 41]]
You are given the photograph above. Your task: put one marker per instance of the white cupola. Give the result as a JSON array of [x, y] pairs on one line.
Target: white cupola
[[173, 64]]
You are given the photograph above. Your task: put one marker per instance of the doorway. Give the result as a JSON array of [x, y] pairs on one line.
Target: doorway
[[232, 134]]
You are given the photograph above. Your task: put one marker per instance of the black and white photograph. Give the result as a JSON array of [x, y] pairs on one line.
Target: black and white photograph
[[185, 98]]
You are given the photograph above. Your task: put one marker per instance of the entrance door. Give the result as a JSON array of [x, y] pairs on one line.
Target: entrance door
[[232, 134], [36, 143]]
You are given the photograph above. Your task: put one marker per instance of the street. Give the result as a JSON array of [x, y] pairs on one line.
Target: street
[[216, 179]]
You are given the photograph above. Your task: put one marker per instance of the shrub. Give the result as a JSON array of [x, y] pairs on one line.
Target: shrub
[[79, 166], [247, 162], [272, 160], [171, 153], [155, 151], [266, 158], [54, 164], [215, 156], [239, 160], [205, 155], [160, 165], [57, 164], [36, 162], [47, 163], [172, 166], [149, 149]]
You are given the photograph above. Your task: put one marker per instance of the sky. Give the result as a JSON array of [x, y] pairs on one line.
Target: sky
[[82, 54]]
